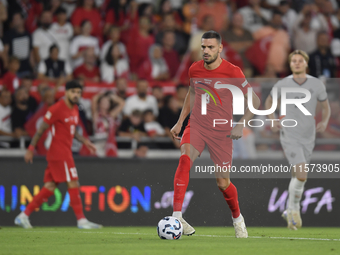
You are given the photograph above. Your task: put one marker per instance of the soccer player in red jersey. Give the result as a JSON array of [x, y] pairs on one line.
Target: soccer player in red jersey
[[63, 118], [200, 131]]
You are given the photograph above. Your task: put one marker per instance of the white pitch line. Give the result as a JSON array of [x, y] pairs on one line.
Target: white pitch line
[[258, 237]]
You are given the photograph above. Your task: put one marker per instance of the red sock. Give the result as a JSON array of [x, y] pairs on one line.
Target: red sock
[[75, 203], [37, 201], [181, 181], [230, 195]]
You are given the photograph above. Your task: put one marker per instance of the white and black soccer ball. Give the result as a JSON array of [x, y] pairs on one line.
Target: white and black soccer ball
[[170, 228]]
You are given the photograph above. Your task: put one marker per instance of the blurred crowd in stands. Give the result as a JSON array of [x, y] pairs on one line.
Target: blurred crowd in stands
[[45, 43]]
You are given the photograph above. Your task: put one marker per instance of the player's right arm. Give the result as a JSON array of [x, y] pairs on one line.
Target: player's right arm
[[187, 107], [51, 117], [34, 141]]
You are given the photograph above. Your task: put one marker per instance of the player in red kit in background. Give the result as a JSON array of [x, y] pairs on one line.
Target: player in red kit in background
[[63, 118], [201, 133]]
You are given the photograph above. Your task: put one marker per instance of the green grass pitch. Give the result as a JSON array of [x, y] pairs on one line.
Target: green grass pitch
[[144, 240]]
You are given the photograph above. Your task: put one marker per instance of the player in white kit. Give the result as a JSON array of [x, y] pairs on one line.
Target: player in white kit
[[298, 142]]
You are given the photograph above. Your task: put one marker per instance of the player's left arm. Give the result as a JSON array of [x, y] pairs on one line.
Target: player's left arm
[[85, 141], [326, 113], [237, 132]]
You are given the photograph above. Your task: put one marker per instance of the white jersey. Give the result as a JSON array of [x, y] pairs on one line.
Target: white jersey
[[304, 131]]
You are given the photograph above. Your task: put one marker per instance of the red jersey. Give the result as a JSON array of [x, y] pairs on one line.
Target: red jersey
[[138, 48], [11, 81], [80, 14], [63, 122], [202, 78], [88, 74]]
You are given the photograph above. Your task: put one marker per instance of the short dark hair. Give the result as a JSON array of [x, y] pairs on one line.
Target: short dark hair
[[157, 87], [60, 10], [167, 99], [136, 113], [29, 76], [277, 12], [16, 13], [181, 86], [53, 46], [322, 32], [73, 85], [212, 35], [84, 22], [113, 27], [13, 59], [141, 80], [148, 111]]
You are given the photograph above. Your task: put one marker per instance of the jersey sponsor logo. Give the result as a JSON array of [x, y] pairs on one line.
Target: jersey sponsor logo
[[48, 115], [71, 118], [207, 81], [224, 163]]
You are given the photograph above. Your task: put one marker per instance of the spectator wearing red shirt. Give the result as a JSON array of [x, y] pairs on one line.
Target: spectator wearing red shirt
[[53, 6], [215, 8], [170, 55], [167, 8], [10, 79], [117, 14], [87, 11], [30, 10], [88, 71], [139, 44]]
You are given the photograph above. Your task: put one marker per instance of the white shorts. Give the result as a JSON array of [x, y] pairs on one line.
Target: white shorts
[[296, 152]]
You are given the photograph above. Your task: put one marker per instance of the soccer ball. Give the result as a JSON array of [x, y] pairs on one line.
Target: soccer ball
[[170, 228]]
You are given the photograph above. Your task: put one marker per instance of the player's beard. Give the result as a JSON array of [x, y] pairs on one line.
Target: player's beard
[[212, 60], [72, 102]]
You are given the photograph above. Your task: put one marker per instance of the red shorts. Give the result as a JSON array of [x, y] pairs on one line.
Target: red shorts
[[219, 145], [60, 171]]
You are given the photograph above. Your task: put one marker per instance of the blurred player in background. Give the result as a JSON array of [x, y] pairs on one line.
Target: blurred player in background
[[63, 118], [298, 142], [200, 132]]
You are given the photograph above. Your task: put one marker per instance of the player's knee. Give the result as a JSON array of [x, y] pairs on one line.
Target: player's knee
[[185, 150], [184, 163], [50, 186], [302, 179], [223, 184], [73, 184]]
